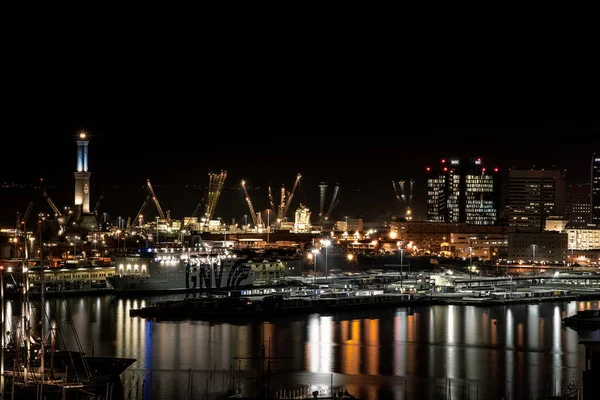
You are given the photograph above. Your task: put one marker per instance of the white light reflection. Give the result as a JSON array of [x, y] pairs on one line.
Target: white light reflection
[[533, 342], [320, 342], [556, 348], [400, 344], [450, 325], [451, 364], [431, 340], [509, 360]]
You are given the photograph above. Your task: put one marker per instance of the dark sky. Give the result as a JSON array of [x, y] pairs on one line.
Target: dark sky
[[360, 96]]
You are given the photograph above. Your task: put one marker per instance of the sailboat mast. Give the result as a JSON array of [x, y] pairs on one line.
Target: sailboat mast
[[25, 303], [43, 304]]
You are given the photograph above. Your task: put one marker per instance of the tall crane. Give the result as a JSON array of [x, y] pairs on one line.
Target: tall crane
[[288, 202], [322, 194], [250, 206], [26, 216], [215, 187], [335, 199], [404, 198], [161, 214], [52, 205], [95, 211], [139, 213], [271, 201]]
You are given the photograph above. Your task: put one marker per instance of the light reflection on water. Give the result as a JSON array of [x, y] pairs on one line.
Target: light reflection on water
[[465, 351]]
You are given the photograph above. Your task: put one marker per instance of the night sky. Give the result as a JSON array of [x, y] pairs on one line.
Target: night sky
[[359, 96]]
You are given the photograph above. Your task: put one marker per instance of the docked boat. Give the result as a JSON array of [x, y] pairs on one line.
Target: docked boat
[[176, 269], [586, 319]]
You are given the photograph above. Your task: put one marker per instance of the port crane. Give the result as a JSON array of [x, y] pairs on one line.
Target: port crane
[[138, 216], [250, 206], [51, 203], [404, 198], [335, 199], [215, 187], [95, 211], [284, 205], [271, 201], [161, 214]]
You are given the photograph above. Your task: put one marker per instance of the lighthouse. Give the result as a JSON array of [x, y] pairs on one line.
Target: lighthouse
[[83, 216]]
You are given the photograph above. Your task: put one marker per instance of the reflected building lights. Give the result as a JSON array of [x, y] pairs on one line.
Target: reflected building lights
[[400, 344], [320, 344], [350, 347], [509, 362], [451, 367], [372, 346], [556, 346], [533, 344]]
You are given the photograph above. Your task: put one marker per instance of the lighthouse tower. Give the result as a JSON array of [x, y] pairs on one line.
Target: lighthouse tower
[[83, 216], [82, 175]]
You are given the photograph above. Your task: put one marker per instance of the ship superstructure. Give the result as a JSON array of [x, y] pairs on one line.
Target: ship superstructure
[[179, 269]]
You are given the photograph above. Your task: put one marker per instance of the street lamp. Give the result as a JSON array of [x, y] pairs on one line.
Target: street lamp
[[401, 265], [326, 243], [533, 246], [315, 252], [470, 261]]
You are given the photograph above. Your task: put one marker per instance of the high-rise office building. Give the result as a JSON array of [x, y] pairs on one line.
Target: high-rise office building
[[578, 206], [533, 195], [463, 190], [595, 190]]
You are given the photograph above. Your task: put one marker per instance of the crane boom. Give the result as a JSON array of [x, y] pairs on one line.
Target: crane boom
[[290, 196], [52, 205], [252, 213], [334, 200], [142, 208], [271, 201], [161, 214], [215, 187], [98, 203], [26, 215]]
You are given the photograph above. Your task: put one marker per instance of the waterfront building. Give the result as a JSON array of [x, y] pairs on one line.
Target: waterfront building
[[538, 247], [578, 208], [433, 235], [595, 190], [556, 223], [463, 190], [533, 196], [587, 238], [349, 225], [483, 246]]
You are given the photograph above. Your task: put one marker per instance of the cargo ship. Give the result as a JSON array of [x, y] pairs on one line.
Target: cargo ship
[[179, 269]]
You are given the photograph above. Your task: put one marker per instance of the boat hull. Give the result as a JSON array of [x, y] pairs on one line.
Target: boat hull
[[182, 273]]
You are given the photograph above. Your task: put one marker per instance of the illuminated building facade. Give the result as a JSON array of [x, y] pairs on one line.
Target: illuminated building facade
[[595, 190], [533, 195], [302, 219], [463, 191], [578, 207]]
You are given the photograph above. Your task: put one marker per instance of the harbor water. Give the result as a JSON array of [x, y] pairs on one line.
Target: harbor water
[[460, 352]]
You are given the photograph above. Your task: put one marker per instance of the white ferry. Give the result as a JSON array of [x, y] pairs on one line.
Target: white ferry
[[179, 269]]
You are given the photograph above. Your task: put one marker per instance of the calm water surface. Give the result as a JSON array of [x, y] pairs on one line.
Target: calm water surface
[[510, 352]]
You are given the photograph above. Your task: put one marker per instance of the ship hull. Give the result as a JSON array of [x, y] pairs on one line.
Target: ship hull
[[178, 275]]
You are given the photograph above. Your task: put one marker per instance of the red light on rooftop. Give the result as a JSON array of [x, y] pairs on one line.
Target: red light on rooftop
[[427, 169], [496, 169], [443, 161], [445, 168], [483, 169]]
